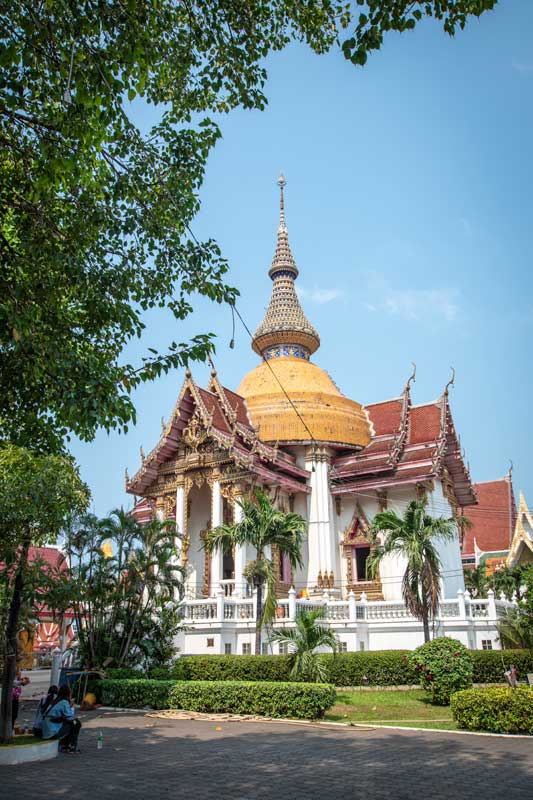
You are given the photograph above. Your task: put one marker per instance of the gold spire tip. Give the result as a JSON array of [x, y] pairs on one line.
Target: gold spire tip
[[281, 180]]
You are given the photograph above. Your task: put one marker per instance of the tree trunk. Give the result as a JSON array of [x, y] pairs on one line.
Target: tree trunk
[[259, 615], [10, 638], [425, 623]]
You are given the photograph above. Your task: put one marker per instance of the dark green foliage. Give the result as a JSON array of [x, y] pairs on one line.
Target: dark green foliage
[[373, 668], [300, 700], [135, 693], [281, 699], [124, 673], [490, 665], [444, 666], [232, 668], [494, 709]]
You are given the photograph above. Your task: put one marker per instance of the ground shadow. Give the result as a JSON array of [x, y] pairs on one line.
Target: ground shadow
[[144, 757]]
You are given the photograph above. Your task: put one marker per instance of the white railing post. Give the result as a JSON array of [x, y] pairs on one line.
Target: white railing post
[[462, 605], [220, 604], [364, 604], [491, 605], [468, 604], [352, 607], [292, 604]]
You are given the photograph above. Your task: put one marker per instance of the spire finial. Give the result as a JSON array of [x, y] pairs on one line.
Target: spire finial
[[281, 183]]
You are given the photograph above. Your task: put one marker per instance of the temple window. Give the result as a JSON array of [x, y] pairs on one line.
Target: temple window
[[246, 649], [227, 649], [360, 555], [343, 647], [486, 644]]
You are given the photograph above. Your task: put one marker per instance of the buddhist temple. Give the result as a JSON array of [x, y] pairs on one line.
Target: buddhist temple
[[521, 549], [289, 429]]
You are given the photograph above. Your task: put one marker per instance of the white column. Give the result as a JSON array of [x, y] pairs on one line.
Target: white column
[[240, 553], [217, 556], [314, 562], [180, 519], [352, 608]]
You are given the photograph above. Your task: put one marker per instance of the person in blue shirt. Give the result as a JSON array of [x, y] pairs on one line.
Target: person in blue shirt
[[42, 709], [59, 722]]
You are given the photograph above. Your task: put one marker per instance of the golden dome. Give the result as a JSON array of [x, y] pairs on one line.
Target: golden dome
[[329, 415]]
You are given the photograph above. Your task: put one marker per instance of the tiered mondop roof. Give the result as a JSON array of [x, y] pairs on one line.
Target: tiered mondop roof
[[316, 410], [285, 325]]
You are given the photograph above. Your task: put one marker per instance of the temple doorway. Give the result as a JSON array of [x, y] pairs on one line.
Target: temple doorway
[[361, 554]]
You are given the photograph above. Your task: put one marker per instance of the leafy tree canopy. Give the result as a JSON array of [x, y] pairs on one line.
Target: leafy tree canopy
[[95, 212]]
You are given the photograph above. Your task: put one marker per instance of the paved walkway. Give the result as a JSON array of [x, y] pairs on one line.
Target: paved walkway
[[144, 758]]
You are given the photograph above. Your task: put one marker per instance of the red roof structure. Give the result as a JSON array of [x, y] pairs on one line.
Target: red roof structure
[[410, 445], [493, 518]]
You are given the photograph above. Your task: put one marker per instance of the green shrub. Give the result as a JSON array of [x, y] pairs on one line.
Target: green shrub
[[135, 693], [264, 698], [444, 666], [160, 674], [375, 668], [232, 668], [489, 665], [124, 673], [370, 668], [494, 709]]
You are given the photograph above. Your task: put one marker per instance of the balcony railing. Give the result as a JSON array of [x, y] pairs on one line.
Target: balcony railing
[[235, 606]]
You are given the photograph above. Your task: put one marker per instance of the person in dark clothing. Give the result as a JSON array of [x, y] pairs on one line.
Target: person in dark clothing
[[42, 709], [59, 722]]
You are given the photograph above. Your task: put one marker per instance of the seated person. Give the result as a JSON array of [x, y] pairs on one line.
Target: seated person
[[42, 708], [59, 722]]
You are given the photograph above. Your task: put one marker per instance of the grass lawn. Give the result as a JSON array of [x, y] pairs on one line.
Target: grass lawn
[[410, 708], [23, 740]]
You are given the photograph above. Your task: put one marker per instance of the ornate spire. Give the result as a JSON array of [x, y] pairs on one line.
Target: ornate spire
[[285, 330], [283, 260]]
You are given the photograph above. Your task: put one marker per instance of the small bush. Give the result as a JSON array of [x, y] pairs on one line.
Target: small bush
[[160, 674], [264, 698], [370, 668], [494, 709], [444, 666], [124, 673], [135, 693], [489, 665]]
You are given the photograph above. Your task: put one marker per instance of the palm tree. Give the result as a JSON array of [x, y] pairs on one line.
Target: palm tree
[[476, 581], [304, 640], [262, 526], [413, 537]]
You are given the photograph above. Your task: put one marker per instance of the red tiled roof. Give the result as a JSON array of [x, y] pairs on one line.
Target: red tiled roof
[[53, 556], [424, 424], [213, 406], [493, 518], [386, 416], [239, 406]]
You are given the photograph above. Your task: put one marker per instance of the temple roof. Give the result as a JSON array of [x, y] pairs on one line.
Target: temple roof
[[217, 415], [492, 519], [523, 535], [410, 445]]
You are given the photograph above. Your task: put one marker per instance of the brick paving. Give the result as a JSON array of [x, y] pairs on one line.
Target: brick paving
[[145, 758]]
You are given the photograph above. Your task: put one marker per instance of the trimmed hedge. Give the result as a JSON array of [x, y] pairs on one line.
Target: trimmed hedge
[[489, 665], [378, 667], [135, 693], [494, 709], [264, 698]]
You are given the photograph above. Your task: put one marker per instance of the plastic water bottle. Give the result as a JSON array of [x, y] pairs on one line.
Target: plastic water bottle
[[100, 741]]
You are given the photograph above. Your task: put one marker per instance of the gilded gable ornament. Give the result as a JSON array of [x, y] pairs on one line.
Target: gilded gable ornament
[[195, 434]]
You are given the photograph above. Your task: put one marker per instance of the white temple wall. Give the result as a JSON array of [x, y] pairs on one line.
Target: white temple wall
[[198, 520], [301, 573], [449, 552]]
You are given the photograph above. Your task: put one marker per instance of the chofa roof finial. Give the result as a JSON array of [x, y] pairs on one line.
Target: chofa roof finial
[[451, 382], [412, 377]]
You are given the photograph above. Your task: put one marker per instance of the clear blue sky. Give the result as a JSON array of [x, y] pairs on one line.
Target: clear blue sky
[[409, 205]]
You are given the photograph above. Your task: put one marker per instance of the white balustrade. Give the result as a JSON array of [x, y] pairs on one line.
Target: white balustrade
[[449, 608]]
